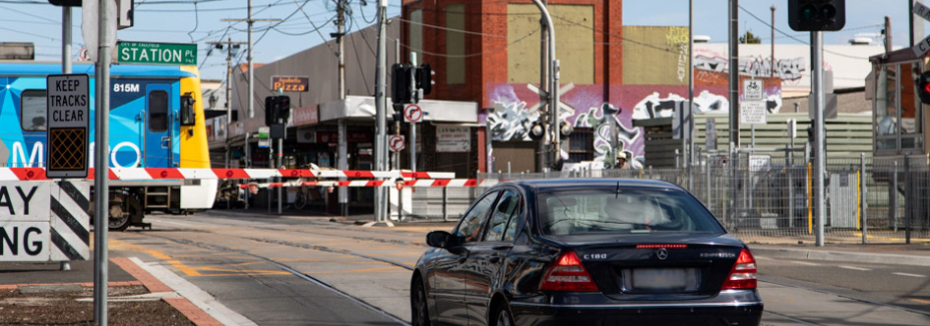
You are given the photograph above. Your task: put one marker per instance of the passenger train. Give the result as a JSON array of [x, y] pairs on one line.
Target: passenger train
[[149, 128]]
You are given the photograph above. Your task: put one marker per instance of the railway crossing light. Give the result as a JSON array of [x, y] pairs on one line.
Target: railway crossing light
[[66, 3], [400, 83], [425, 78], [816, 15], [270, 110], [923, 87], [283, 107]]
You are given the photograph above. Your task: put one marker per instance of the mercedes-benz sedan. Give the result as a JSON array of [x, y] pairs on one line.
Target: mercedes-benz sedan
[[586, 252]]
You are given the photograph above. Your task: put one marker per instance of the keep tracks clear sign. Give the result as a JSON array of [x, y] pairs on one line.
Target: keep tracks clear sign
[[68, 119]]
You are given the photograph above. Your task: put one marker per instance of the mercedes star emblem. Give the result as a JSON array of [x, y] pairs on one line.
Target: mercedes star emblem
[[662, 253]]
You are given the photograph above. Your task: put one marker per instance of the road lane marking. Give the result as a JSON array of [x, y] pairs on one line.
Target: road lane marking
[[854, 268], [380, 269], [909, 274], [195, 295], [921, 301], [184, 268], [805, 263], [158, 254]]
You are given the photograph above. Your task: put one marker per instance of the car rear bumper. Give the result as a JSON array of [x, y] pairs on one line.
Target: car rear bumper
[[721, 310]]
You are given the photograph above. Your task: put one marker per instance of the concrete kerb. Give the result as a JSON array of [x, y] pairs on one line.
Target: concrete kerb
[[841, 256]]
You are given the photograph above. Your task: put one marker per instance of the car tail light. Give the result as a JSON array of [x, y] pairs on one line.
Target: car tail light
[[567, 274], [743, 274]]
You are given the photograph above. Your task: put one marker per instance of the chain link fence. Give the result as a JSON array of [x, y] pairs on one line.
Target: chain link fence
[[874, 200]]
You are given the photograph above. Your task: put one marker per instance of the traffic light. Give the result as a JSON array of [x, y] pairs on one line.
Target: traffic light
[[923, 87], [270, 111], [425, 78], [816, 15], [66, 3], [283, 108], [401, 83]]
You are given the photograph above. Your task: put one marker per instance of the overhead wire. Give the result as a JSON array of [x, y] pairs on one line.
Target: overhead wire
[[797, 39], [358, 60]]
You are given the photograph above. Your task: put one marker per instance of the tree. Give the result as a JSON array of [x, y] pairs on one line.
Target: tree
[[749, 38]]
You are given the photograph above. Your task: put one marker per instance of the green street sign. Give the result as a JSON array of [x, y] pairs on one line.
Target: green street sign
[[157, 53]]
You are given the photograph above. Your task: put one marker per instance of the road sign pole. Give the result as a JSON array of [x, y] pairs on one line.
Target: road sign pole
[[66, 67], [102, 165], [820, 164]]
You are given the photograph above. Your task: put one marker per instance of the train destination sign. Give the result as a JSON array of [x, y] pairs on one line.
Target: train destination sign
[[157, 53], [68, 118]]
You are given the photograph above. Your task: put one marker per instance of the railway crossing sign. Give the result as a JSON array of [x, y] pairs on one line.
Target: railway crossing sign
[[396, 143], [68, 119], [924, 45], [413, 113]]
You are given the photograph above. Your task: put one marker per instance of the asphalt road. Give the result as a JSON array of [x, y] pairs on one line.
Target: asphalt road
[[298, 270]]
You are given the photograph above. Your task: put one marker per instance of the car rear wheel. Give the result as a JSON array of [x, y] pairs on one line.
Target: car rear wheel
[[503, 316], [418, 306]]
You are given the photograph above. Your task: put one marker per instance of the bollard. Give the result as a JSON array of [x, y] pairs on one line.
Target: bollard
[[893, 192], [445, 199], [907, 200], [863, 204]]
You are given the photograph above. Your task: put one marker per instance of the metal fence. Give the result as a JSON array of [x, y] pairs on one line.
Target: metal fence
[[874, 200]]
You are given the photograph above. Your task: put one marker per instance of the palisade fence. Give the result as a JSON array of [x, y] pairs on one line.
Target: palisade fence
[[874, 200]]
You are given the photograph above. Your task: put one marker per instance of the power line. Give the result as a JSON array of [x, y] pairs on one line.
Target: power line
[[797, 39]]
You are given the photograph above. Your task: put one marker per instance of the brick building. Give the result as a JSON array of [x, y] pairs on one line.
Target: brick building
[[488, 51]]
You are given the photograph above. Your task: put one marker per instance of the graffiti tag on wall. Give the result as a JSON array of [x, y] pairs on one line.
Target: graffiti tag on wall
[[786, 69]]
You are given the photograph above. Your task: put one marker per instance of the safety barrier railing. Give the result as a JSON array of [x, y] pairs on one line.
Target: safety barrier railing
[[872, 200]]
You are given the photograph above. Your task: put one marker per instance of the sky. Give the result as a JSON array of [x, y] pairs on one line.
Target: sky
[[307, 22]]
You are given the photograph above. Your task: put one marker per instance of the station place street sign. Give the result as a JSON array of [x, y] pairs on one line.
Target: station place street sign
[[157, 53]]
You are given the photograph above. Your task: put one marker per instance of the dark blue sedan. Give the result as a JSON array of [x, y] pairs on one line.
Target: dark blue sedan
[[586, 252]]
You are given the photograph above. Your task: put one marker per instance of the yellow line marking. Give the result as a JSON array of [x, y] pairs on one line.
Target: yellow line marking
[[921, 301], [184, 268], [158, 254]]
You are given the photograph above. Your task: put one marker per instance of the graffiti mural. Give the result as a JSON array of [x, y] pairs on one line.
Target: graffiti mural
[[786, 69], [516, 107]]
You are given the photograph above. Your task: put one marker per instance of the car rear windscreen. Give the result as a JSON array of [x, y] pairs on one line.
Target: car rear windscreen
[[622, 211]]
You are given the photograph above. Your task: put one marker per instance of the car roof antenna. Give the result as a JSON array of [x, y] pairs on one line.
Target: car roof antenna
[[617, 192]]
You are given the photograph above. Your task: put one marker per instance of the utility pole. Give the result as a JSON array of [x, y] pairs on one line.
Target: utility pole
[[251, 95], [343, 160], [65, 40], [887, 34], [544, 104], [65, 68], [380, 104], [733, 67], [819, 159], [734, 76], [553, 98], [689, 151], [101, 163], [229, 53], [772, 74]]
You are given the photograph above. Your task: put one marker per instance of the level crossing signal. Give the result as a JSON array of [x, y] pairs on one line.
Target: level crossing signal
[[66, 3], [816, 15], [923, 87], [277, 108], [407, 81]]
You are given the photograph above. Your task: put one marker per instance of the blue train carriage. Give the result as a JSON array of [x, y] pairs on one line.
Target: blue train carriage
[[156, 121]]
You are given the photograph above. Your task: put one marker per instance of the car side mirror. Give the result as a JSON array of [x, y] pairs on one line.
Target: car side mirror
[[439, 239]]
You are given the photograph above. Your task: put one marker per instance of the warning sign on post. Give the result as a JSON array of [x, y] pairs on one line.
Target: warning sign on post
[[68, 121]]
